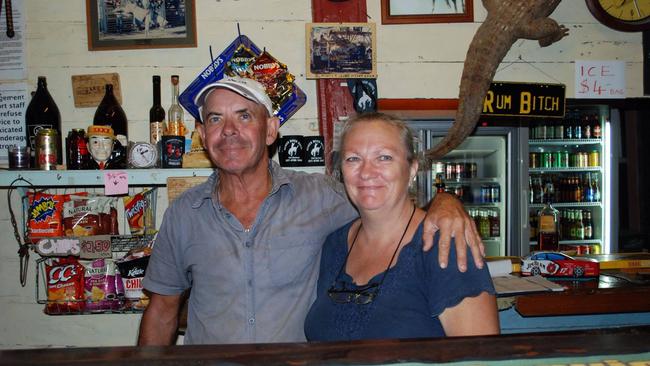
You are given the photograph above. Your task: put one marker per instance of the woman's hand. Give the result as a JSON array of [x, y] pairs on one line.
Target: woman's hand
[[447, 214]]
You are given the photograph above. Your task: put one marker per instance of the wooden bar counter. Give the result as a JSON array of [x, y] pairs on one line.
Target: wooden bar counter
[[623, 345]]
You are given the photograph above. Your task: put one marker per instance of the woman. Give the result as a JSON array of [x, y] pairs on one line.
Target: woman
[[375, 280]]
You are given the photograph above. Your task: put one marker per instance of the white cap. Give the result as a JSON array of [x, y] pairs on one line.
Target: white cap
[[247, 88]]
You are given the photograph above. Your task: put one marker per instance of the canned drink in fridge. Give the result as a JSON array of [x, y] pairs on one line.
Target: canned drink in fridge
[[556, 159], [585, 159], [460, 171], [564, 159], [583, 249], [459, 191], [450, 171], [546, 160], [46, 141], [595, 249], [594, 158], [533, 160], [495, 193], [486, 193], [473, 170]]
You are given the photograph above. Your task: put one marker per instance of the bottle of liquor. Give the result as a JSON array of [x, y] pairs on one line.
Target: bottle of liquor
[[586, 127], [596, 131], [580, 226], [588, 189], [110, 113], [596, 186], [156, 116], [568, 126], [175, 125], [548, 228], [588, 225], [495, 224], [577, 128], [440, 185], [42, 113], [484, 225]]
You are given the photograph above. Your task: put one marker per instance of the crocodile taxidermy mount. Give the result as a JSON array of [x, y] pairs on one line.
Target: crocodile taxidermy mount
[[507, 21]]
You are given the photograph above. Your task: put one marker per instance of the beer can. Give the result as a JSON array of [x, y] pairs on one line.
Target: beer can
[[46, 141], [585, 159], [473, 170], [583, 249], [594, 158], [595, 249], [460, 171], [559, 131], [533, 161], [557, 159], [495, 193], [564, 159], [486, 194], [450, 172], [546, 160]]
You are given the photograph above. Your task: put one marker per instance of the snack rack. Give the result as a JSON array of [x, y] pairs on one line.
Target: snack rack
[[120, 245]]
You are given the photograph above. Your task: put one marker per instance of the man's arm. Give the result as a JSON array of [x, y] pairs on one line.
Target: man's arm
[[447, 214], [159, 321]]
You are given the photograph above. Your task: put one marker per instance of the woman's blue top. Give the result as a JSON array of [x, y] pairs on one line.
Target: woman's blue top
[[413, 294]]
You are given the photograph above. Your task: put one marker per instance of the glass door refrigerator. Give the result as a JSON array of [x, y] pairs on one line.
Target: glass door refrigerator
[[484, 172], [571, 164]]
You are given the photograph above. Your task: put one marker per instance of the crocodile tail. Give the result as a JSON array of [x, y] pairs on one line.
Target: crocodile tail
[[483, 57]]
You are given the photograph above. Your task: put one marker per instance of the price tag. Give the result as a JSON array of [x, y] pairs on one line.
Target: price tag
[[116, 183]]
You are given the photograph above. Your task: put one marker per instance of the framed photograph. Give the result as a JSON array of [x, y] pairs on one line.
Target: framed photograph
[[135, 24], [426, 11], [341, 50]]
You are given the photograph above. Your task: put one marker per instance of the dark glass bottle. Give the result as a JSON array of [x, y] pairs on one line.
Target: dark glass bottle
[[42, 113], [156, 114], [110, 113]]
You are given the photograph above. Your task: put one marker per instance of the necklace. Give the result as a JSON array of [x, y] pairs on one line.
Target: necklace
[[339, 292]]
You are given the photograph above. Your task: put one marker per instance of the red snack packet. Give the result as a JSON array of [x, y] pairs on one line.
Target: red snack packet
[[135, 208], [89, 215], [65, 286], [275, 77], [44, 215]]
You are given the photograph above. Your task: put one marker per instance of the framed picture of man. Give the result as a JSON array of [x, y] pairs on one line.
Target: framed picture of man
[[134, 24], [426, 11], [341, 50]]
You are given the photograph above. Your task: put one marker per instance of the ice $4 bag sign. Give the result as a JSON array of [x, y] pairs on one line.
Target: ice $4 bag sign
[[243, 58]]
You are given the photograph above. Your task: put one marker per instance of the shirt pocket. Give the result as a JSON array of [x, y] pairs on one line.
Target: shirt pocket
[[291, 261]]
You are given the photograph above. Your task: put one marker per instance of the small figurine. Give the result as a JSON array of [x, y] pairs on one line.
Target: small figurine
[[107, 152]]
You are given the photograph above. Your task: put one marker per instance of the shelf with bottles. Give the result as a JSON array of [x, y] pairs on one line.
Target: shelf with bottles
[[570, 189], [568, 204], [573, 226], [578, 124], [565, 142], [575, 247], [566, 170]]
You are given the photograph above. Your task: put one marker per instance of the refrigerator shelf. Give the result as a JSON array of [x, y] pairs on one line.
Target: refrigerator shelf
[[568, 204], [468, 180], [567, 170], [565, 142], [576, 242]]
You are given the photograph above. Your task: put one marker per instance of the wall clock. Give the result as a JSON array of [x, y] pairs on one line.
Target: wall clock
[[622, 15]]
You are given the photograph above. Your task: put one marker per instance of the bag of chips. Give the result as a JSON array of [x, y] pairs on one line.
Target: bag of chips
[[139, 212], [132, 269], [100, 285], [65, 286], [90, 215]]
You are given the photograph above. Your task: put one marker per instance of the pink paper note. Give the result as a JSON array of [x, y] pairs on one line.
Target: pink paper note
[[116, 183]]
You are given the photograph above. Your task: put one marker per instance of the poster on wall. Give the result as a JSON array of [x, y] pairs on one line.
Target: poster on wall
[[13, 103], [600, 79], [134, 24], [12, 42], [341, 50]]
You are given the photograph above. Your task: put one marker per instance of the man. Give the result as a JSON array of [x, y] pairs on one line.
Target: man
[[248, 241]]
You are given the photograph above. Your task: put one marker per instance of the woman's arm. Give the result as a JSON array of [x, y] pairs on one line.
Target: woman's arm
[[473, 316]]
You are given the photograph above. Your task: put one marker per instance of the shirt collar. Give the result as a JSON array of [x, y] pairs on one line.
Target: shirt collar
[[278, 176]]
